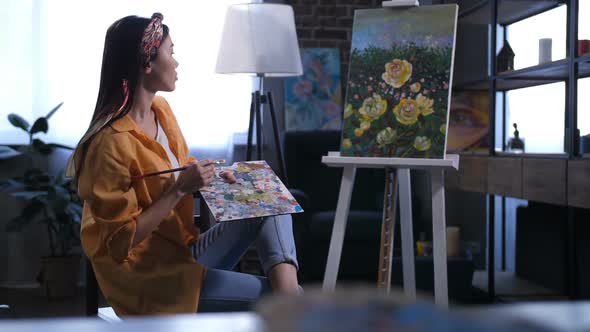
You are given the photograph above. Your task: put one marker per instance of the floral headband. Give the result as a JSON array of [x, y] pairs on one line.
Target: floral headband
[[152, 36]]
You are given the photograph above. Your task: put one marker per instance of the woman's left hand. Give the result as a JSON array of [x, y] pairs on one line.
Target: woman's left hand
[[228, 176]]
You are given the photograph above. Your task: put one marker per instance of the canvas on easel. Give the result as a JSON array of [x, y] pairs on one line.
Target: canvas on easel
[[399, 82]]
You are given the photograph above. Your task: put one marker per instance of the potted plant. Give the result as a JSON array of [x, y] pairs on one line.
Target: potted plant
[[50, 200]]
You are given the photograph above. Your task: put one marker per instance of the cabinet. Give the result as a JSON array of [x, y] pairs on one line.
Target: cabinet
[[561, 178]]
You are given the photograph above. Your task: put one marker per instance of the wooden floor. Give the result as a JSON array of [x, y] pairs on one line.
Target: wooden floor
[[510, 288], [32, 303]]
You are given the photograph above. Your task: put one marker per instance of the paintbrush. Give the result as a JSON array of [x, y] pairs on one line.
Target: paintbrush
[[137, 177]]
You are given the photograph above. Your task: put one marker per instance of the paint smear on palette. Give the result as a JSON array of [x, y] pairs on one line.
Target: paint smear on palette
[[258, 192]]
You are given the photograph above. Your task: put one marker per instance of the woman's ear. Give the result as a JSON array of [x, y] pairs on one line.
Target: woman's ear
[[148, 69]]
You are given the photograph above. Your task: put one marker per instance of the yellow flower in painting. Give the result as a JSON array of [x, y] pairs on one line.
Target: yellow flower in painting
[[424, 105], [443, 129], [415, 87], [386, 136], [373, 107], [358, 132], [348, 111], [406, 112], [422, 143], [365, 125], [397, 72], [346, 143]]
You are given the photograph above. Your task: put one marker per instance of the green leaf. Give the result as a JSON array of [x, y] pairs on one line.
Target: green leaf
[[17, 224], [17, 121], [8, 152], [53, 110], [40, 125], [11, 185], [33, 172], [28, 194], [55, 145], [42, 147], [35, 179], [75, 212], [27, 216]]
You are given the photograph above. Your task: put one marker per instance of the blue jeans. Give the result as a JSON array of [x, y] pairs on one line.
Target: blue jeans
[[220, 249]]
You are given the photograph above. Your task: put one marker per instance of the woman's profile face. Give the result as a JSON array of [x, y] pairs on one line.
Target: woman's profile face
[[163, 75]]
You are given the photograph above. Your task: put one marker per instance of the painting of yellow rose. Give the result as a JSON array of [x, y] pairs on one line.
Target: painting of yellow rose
[[397, 92]]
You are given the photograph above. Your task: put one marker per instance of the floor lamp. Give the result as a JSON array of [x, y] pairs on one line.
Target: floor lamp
[[260, 39]]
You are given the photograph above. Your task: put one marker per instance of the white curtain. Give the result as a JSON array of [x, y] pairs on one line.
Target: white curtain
[[52, 52]]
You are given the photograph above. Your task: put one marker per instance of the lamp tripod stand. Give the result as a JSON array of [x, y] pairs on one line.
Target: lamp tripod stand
[[258, 99]]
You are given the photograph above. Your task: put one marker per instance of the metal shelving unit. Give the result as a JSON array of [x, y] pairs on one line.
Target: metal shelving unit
[[500, 14], [556, 71], [509, 12]]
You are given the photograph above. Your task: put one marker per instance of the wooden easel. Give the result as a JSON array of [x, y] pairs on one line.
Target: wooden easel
[[389, 206], [397, 181], [397, 170]]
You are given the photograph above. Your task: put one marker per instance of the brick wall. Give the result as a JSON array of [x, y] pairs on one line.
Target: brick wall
[[328, 23]]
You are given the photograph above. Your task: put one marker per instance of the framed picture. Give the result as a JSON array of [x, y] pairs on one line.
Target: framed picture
[[314, 100], [469, 122]]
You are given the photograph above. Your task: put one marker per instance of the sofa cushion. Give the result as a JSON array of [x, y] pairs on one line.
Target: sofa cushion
[[361, 226]]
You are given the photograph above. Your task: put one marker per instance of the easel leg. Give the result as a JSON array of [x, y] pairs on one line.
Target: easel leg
[[339, 228], [387, 230], [439, 239], [407, 236]]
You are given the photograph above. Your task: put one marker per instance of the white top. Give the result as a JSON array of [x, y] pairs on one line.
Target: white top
[[163, 140]]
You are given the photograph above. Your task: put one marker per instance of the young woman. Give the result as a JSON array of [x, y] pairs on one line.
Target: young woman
[[137, 233]]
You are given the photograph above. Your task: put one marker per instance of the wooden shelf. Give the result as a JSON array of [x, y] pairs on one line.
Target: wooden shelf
[[546, 73], [545, 180], [505, 154], [542, 178], [505, 176], [471, 176], [578, 186], [509, 11]]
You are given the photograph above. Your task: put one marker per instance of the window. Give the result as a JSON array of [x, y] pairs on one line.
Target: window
[[53, 53], [584, 115], [524, 36], [584, 19], [584, 84], [538, 111]]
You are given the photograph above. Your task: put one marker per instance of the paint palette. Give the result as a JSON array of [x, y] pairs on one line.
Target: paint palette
[[258, 192]]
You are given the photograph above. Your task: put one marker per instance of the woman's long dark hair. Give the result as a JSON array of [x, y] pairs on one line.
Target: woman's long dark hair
[[123, 60]]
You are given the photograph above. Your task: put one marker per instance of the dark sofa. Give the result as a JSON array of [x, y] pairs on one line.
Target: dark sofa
[[317, 188]]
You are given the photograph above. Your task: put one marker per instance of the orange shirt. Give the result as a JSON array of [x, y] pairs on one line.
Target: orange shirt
[[158, 275]]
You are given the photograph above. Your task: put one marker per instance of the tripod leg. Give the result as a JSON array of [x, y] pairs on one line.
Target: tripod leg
[[258, 126], [275, 128], [250, 129]]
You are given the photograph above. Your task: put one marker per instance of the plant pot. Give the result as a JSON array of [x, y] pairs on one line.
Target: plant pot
[[59, 276]]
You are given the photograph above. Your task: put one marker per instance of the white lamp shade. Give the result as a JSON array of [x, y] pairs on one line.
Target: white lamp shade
[[259, 39]]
